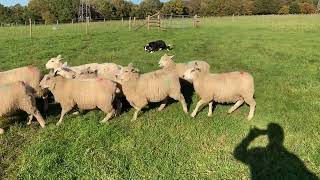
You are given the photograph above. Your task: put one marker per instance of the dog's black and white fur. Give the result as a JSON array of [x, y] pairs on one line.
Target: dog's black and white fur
[[156, 46]]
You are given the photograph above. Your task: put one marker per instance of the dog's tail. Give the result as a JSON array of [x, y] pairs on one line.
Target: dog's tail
[[169, 47]]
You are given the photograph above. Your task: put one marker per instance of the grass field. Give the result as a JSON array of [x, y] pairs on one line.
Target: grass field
[[281, 52]]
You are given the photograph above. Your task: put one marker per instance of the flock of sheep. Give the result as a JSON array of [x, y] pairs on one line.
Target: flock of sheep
[[91, 86]]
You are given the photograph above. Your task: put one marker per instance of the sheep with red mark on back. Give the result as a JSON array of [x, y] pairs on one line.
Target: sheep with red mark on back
[[229, 87]]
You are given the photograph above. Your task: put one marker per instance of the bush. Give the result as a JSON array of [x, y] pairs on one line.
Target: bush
[[307, 8], [294, 8], [284, 10]]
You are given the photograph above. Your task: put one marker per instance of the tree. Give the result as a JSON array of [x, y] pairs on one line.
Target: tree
[[103, 7], [307, 8], [174, 7], [121, 8], [294, 8], [284, 10], [149, 7], [266, 6]]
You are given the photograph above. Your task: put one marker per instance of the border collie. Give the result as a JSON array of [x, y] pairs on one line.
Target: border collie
[[156, 46]]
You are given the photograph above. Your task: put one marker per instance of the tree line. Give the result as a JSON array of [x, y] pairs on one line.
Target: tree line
[[64, 11]]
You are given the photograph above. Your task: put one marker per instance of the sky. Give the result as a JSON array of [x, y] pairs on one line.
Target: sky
[[25, 2]]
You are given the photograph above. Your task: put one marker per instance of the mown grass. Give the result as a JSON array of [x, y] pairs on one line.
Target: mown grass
[[282, 53]]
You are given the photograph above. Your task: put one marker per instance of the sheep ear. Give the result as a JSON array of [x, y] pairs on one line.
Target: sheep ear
[[64, 65], [130, 65], [136, 70], [171, 57], [59, 56]]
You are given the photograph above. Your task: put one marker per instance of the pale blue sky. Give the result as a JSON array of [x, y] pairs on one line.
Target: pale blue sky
[[25, 2]]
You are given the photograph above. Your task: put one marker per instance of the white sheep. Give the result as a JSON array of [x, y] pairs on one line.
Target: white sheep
[[104, 70], [150, 87], [19, 96], [31, 75], [56, 62], [222, 88], [167, 62], [69, 74], [85, 93]]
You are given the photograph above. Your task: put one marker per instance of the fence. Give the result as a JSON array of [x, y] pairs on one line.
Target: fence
[[160, 21]]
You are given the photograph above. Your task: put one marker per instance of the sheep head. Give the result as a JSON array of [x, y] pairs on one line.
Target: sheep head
[[47, 81], [191, 73], [65, 72], [128, 73], [166, 61], [55, 62]]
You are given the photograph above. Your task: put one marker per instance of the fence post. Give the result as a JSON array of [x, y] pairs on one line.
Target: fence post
[[57, 22], [129, 23], [122, 20], [232, 17], [104, 19], [34, 23], [72, 21], [148, 22], [134, 21], [87, 23], [30, 28], [159, 22]]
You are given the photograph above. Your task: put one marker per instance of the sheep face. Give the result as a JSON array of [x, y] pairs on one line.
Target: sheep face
[[165, 60], [54, 63], [127, 74], [191, 73], [65, 72], [48, 81]]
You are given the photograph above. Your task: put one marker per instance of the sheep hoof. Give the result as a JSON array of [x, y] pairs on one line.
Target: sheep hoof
[[133, 119], [58, 124], [1, 131], [209, 115], [29, 123], [193, 115]]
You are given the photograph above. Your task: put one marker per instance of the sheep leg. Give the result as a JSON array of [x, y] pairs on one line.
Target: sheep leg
[[1, 131], [30, 117], [235, 106], [163, 104], [136, 113], [181, 99], [108, 116], [199, 105], [39, 118], [210, 109], [252, 104], [63, 112], [29, 106]]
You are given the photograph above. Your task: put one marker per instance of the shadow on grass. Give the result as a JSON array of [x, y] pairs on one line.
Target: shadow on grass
[[273, 161]]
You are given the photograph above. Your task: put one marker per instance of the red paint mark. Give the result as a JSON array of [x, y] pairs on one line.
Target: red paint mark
[[100, 79], [32, 69]]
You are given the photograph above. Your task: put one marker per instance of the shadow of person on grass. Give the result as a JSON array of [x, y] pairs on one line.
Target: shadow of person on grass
[[273, 161]]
